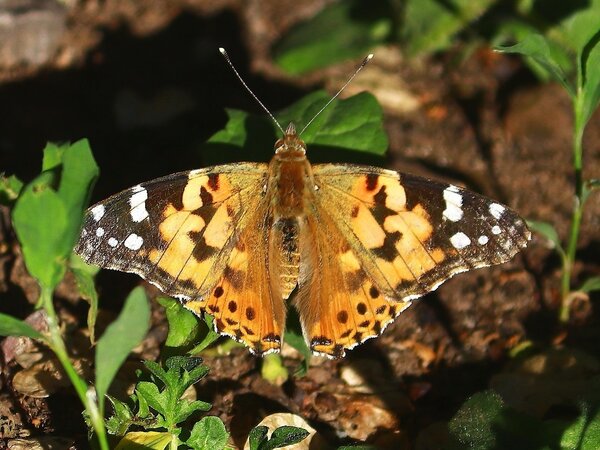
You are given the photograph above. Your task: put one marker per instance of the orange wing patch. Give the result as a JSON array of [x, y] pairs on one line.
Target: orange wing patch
[[242, 301], [339, 304]]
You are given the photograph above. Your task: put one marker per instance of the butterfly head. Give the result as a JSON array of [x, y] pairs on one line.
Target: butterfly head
[[290, 144]]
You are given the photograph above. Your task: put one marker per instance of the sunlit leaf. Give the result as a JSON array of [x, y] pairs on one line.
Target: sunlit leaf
[[120, 337]]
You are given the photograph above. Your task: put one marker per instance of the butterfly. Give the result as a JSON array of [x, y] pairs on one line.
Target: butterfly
[[358, 243]]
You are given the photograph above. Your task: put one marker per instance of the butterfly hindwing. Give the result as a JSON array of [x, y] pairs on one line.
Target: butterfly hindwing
[[339, 303], [243, 301]]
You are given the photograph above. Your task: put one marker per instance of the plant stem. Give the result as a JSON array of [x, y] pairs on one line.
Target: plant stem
[[577, 210], [57, 345]]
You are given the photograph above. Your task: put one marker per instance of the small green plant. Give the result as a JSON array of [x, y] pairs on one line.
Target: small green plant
[[582, 38], [485, 421], [47, 217], [281, 437], [159, 409]]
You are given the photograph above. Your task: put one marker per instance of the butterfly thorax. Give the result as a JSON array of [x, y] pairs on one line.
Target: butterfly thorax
[[290, 177]]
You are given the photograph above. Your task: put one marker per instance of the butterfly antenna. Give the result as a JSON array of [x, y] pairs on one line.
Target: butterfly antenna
[[364, 62], [226, 56]]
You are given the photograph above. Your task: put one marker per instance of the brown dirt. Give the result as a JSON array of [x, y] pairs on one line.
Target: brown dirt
[[485, 123]]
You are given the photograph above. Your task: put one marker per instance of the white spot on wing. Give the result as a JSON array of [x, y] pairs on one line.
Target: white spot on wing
[[138, 203], [483, 239], [453, 199], [97, 212], [460, 240], [496, 229], [133, 242], [100, 232], [497, 210], [113, 242]]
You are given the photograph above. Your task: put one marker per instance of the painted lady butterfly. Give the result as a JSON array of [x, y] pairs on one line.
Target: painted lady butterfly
[[359, 243]]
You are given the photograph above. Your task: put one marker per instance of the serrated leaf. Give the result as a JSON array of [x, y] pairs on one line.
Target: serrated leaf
[[11, 326], [591, 284], [152, 396], [119, 422], [341, 31], [119, 339], [548, 231], [185, 408], [284, 436], [208, 434], [144, 440], [430, 25], [536, 46]]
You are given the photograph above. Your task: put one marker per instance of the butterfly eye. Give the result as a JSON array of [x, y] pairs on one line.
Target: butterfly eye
[[278, 144]]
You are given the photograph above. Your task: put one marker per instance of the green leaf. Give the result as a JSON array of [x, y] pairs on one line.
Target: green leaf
[[11, 326], [41, 223], [79, 173], [355, 123], [294, 337], [258, 437], [144, 440], [341, 31], [152, 396], [119, 339], [591, 284], [536, 47], [209, 335], [517, 30], [84, 278], [548, 231], [208, 434], [184, 328], [284, 436], [430, 25], [10, 187], [121, 420], [584, 433], [591, 76], [473, 424], [52, 156]]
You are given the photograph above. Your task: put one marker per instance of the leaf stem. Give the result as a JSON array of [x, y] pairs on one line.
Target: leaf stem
[[57, 345], [579, 201]]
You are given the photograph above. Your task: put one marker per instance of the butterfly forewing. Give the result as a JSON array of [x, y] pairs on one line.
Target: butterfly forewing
[[412, 233], [174, 231]]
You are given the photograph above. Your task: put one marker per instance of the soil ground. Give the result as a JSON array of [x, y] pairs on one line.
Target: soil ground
[[143, 81]]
